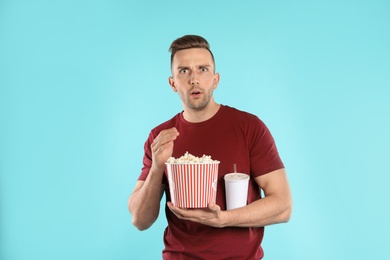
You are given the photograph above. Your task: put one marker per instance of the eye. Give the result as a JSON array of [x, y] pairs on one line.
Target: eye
[[203, 69], [184, 71]]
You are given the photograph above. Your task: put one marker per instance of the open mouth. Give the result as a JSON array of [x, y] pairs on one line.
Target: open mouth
[[196, 94]]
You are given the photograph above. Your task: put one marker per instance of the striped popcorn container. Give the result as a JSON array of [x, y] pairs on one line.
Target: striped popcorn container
[[192, 185]]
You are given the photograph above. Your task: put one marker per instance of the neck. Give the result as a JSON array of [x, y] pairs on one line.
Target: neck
[[197, 116]]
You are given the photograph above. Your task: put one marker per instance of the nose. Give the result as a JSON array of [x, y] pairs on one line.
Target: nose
[[194, 81]]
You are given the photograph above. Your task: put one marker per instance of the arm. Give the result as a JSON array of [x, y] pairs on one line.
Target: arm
[[274, 208], [144, 202]]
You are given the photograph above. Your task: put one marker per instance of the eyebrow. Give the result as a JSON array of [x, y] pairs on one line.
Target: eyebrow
[[182, 67], [198, 66]]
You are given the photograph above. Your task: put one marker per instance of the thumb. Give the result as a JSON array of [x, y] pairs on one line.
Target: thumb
[[213, 206]]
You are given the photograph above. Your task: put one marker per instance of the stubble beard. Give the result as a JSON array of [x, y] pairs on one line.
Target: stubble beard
[[202, 104]]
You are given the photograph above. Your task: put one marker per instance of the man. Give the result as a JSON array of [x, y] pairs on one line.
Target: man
[[226, 134]]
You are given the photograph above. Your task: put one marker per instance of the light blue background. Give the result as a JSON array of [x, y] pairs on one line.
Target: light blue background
[[83, 82]]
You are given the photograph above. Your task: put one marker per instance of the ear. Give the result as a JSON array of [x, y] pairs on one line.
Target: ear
[[172, 84], [216, 80]]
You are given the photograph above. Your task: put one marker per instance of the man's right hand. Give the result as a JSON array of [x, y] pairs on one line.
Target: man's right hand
[[162, 147]]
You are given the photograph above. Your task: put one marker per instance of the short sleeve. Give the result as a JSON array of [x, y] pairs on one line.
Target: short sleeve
[[264, 155]]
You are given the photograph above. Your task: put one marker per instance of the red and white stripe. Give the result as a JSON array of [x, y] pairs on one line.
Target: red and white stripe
[[193, 185]]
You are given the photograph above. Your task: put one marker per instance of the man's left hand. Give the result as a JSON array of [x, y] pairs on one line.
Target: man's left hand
[[211, 216]]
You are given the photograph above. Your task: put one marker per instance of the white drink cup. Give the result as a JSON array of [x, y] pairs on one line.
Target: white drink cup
[[236, 186]]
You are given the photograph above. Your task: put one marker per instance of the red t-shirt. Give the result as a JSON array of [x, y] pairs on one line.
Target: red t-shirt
[[231, 137]]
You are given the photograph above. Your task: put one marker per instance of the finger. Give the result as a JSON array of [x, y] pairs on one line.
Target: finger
[[172, 207], [181, 213], [165, 136], [158, 148], [213, 207], [175, 210], [169, 133]]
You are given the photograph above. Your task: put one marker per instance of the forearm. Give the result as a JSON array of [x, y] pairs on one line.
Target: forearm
[[144, 203], [263, 212], [274, 208]]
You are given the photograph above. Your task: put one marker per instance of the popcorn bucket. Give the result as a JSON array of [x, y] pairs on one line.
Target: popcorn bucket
[[192, 185]]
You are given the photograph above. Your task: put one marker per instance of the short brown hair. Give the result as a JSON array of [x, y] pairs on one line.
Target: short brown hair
[[188, 42]]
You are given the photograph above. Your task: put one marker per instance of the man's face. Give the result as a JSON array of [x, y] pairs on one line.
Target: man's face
[[193, 77]]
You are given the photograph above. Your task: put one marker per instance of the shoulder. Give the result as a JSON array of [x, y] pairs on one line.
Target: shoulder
[[241, 116]]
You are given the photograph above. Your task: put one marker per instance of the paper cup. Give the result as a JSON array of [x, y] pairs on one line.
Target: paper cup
[[192, 185], [236, 186]]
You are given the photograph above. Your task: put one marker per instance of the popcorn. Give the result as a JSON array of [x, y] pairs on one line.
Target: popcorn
[[188, 158]]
